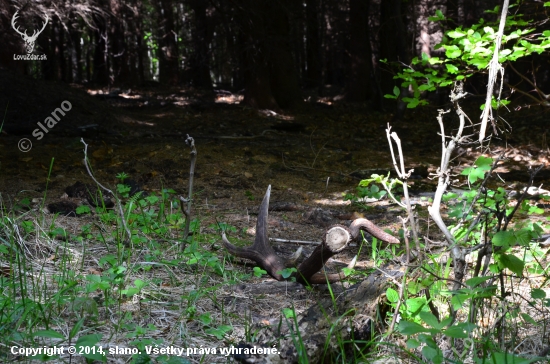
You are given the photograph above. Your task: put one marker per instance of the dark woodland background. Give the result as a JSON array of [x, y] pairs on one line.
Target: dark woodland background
[[276, 52]]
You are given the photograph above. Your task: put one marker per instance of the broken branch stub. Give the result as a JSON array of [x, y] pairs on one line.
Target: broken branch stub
[[335, 240]]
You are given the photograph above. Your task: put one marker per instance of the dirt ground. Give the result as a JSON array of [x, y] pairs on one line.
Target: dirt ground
[[311, 158]]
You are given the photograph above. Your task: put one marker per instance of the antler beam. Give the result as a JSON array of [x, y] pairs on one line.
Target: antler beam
[[335, 240]]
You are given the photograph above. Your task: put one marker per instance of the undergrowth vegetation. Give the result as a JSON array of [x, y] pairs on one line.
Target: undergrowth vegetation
[[101, 292], [90, 288], [501, 308]]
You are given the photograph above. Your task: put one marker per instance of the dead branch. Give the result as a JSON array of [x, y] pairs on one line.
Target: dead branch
[[494, 67], [189, 200]]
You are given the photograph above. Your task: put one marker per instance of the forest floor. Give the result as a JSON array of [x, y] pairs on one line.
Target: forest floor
[[311, 158]]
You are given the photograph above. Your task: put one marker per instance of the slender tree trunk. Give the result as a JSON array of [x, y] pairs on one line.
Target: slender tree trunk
[[120, 51], [200, 63], [76, 53], [168, 58], [271, 80], [56, 54], [392, 44], [255, 58], [101, 51], [283, 72], [313, 45], [358, 88]]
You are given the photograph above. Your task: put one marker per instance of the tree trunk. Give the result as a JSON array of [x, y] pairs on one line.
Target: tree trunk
[[257, 92], [200, 62], [313, 45], [119, 51], [358, 88], [76, 52], [392, 45], [101, 52], [56, 53], [283, 73], [271, 80], [168, 57]]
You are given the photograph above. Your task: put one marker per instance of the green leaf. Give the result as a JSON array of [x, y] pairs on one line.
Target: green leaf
[[456, 332], [538, 293], [412, 344], [466, 171], [130, 291], [480, 62], [410, 328], [467, 326], [476, 174], [287, 272], [528, 318], [452, 51], [475, 281], [435, 60], [484, 162], [139, 283], [512, 262], [433, 354], [451, 68], [88, 340], [258, 272], [431, 320], [392, 295], [396, 91], [205, 318], [219, 332], [523, 236], [76, 328], [504, 239], [83, 210], [347, 271], [49, 334], [415, 305], [289, 313], [411, 102], [489, 30], [455, 34], [459, 300]]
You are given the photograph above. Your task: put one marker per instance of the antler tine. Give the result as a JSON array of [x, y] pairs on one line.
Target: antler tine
[[260, 252], [262, 239], [371, 228]]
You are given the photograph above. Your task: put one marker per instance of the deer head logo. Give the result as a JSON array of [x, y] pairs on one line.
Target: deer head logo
[[29, 40]]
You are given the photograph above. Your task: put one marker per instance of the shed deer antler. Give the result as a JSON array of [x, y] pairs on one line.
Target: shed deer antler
[[336, 239]]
